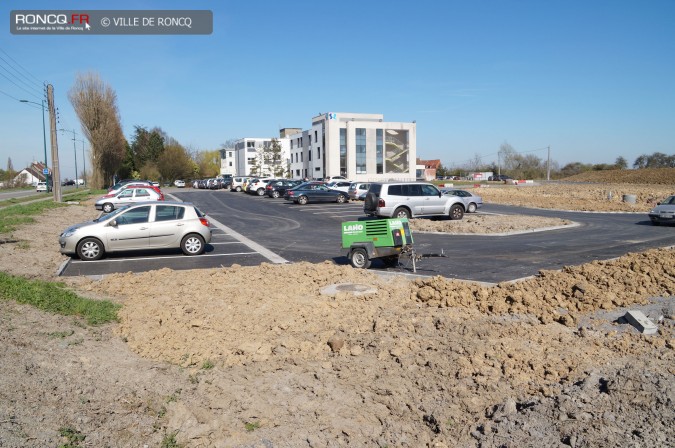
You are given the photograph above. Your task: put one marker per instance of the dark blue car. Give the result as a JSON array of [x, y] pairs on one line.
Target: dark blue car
[[315, 192]]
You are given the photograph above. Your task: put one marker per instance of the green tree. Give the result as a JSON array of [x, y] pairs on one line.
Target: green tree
[[146, 146], [655, 160], [208, 163], [621, 163], [175, 163]]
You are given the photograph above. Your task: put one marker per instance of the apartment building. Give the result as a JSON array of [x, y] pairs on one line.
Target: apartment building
[[360, 147]]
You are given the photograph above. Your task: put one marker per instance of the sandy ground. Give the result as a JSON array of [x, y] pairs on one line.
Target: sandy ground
[[259, 357]]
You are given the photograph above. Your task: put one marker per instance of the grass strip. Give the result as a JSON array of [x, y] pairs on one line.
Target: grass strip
[[55, 298], [13, 217]]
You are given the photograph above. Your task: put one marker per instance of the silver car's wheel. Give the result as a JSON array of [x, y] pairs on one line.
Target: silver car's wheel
[[237, 189], [472, 208], [260, 191], [401, 212], [193, 244], [456, 212], [90, 249], [108, 207]]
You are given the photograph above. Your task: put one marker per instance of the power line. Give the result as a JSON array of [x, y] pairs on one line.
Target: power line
[[25, 90], [40, 83], [16, 74], [7, 94]]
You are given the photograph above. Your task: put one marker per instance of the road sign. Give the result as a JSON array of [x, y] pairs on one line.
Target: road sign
[[45, 170]]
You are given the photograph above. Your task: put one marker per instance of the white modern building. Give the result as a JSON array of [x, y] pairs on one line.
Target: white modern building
[[228, 162], [360, 147], [252, 157]]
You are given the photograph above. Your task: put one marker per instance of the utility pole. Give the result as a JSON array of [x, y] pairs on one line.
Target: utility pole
[[56, 172], [84, 162], [548, 164], [499, 162]]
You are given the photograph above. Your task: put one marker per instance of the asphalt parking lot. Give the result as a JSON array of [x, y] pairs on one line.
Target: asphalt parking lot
[[249, 230]]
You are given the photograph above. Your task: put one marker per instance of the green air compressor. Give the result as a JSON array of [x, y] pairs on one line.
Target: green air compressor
[[378, 238]]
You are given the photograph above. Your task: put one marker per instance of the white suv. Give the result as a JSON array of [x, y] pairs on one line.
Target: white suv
[[410, 200], [257, 186]]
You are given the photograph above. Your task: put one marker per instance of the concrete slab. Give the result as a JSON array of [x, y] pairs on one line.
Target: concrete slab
[[640, 321]]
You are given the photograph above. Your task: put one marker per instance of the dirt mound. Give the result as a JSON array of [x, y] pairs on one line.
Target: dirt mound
[[487, 224], [578, 197], [257, 356], [645, 176]]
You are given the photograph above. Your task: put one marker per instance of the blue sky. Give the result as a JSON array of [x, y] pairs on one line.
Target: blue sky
[[593, 80]]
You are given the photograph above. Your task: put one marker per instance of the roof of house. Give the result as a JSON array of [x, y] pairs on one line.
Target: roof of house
[[434, 164]]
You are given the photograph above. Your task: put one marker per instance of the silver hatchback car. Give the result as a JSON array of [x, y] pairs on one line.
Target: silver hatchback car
[[146, 225]]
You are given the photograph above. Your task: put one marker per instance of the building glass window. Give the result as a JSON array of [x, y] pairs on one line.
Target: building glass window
[[379, 154], [360, 150], [318, 152], [396, 151], [343, 152]]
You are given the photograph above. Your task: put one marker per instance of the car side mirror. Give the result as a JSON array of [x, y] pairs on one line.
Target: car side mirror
[[113, 223]]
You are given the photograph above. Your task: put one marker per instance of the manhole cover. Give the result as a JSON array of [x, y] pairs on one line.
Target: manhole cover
[[354, 288]]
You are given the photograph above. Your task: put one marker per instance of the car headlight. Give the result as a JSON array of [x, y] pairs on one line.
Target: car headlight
[[69, 232]]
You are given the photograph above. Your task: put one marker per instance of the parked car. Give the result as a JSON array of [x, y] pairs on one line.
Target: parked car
[[42, 187], [131, 185], [238, 183], [664, 212], [471, 201], [121, 183], [257, 186], [315, 192], [358, 190], [410, 200], [179, 183], [341, 185], [277, 188], [148, 225], [499, 178], [110, 202]]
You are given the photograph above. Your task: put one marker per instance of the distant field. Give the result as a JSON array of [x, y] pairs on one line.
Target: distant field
[[653, 176]]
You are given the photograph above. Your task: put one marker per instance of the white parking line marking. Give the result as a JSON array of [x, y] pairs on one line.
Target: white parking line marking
[[226, 242], [160, 258], [271, 256]]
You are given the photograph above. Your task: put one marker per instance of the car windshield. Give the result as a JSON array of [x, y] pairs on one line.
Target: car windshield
[[115, 212]]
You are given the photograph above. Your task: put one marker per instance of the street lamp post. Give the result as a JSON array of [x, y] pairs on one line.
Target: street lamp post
[[44, 136], [77, 184]]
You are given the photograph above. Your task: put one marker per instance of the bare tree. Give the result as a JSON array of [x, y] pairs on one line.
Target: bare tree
[[95, 103], [508, 157]]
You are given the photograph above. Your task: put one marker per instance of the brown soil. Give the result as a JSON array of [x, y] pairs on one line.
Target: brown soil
[[258, 357]]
